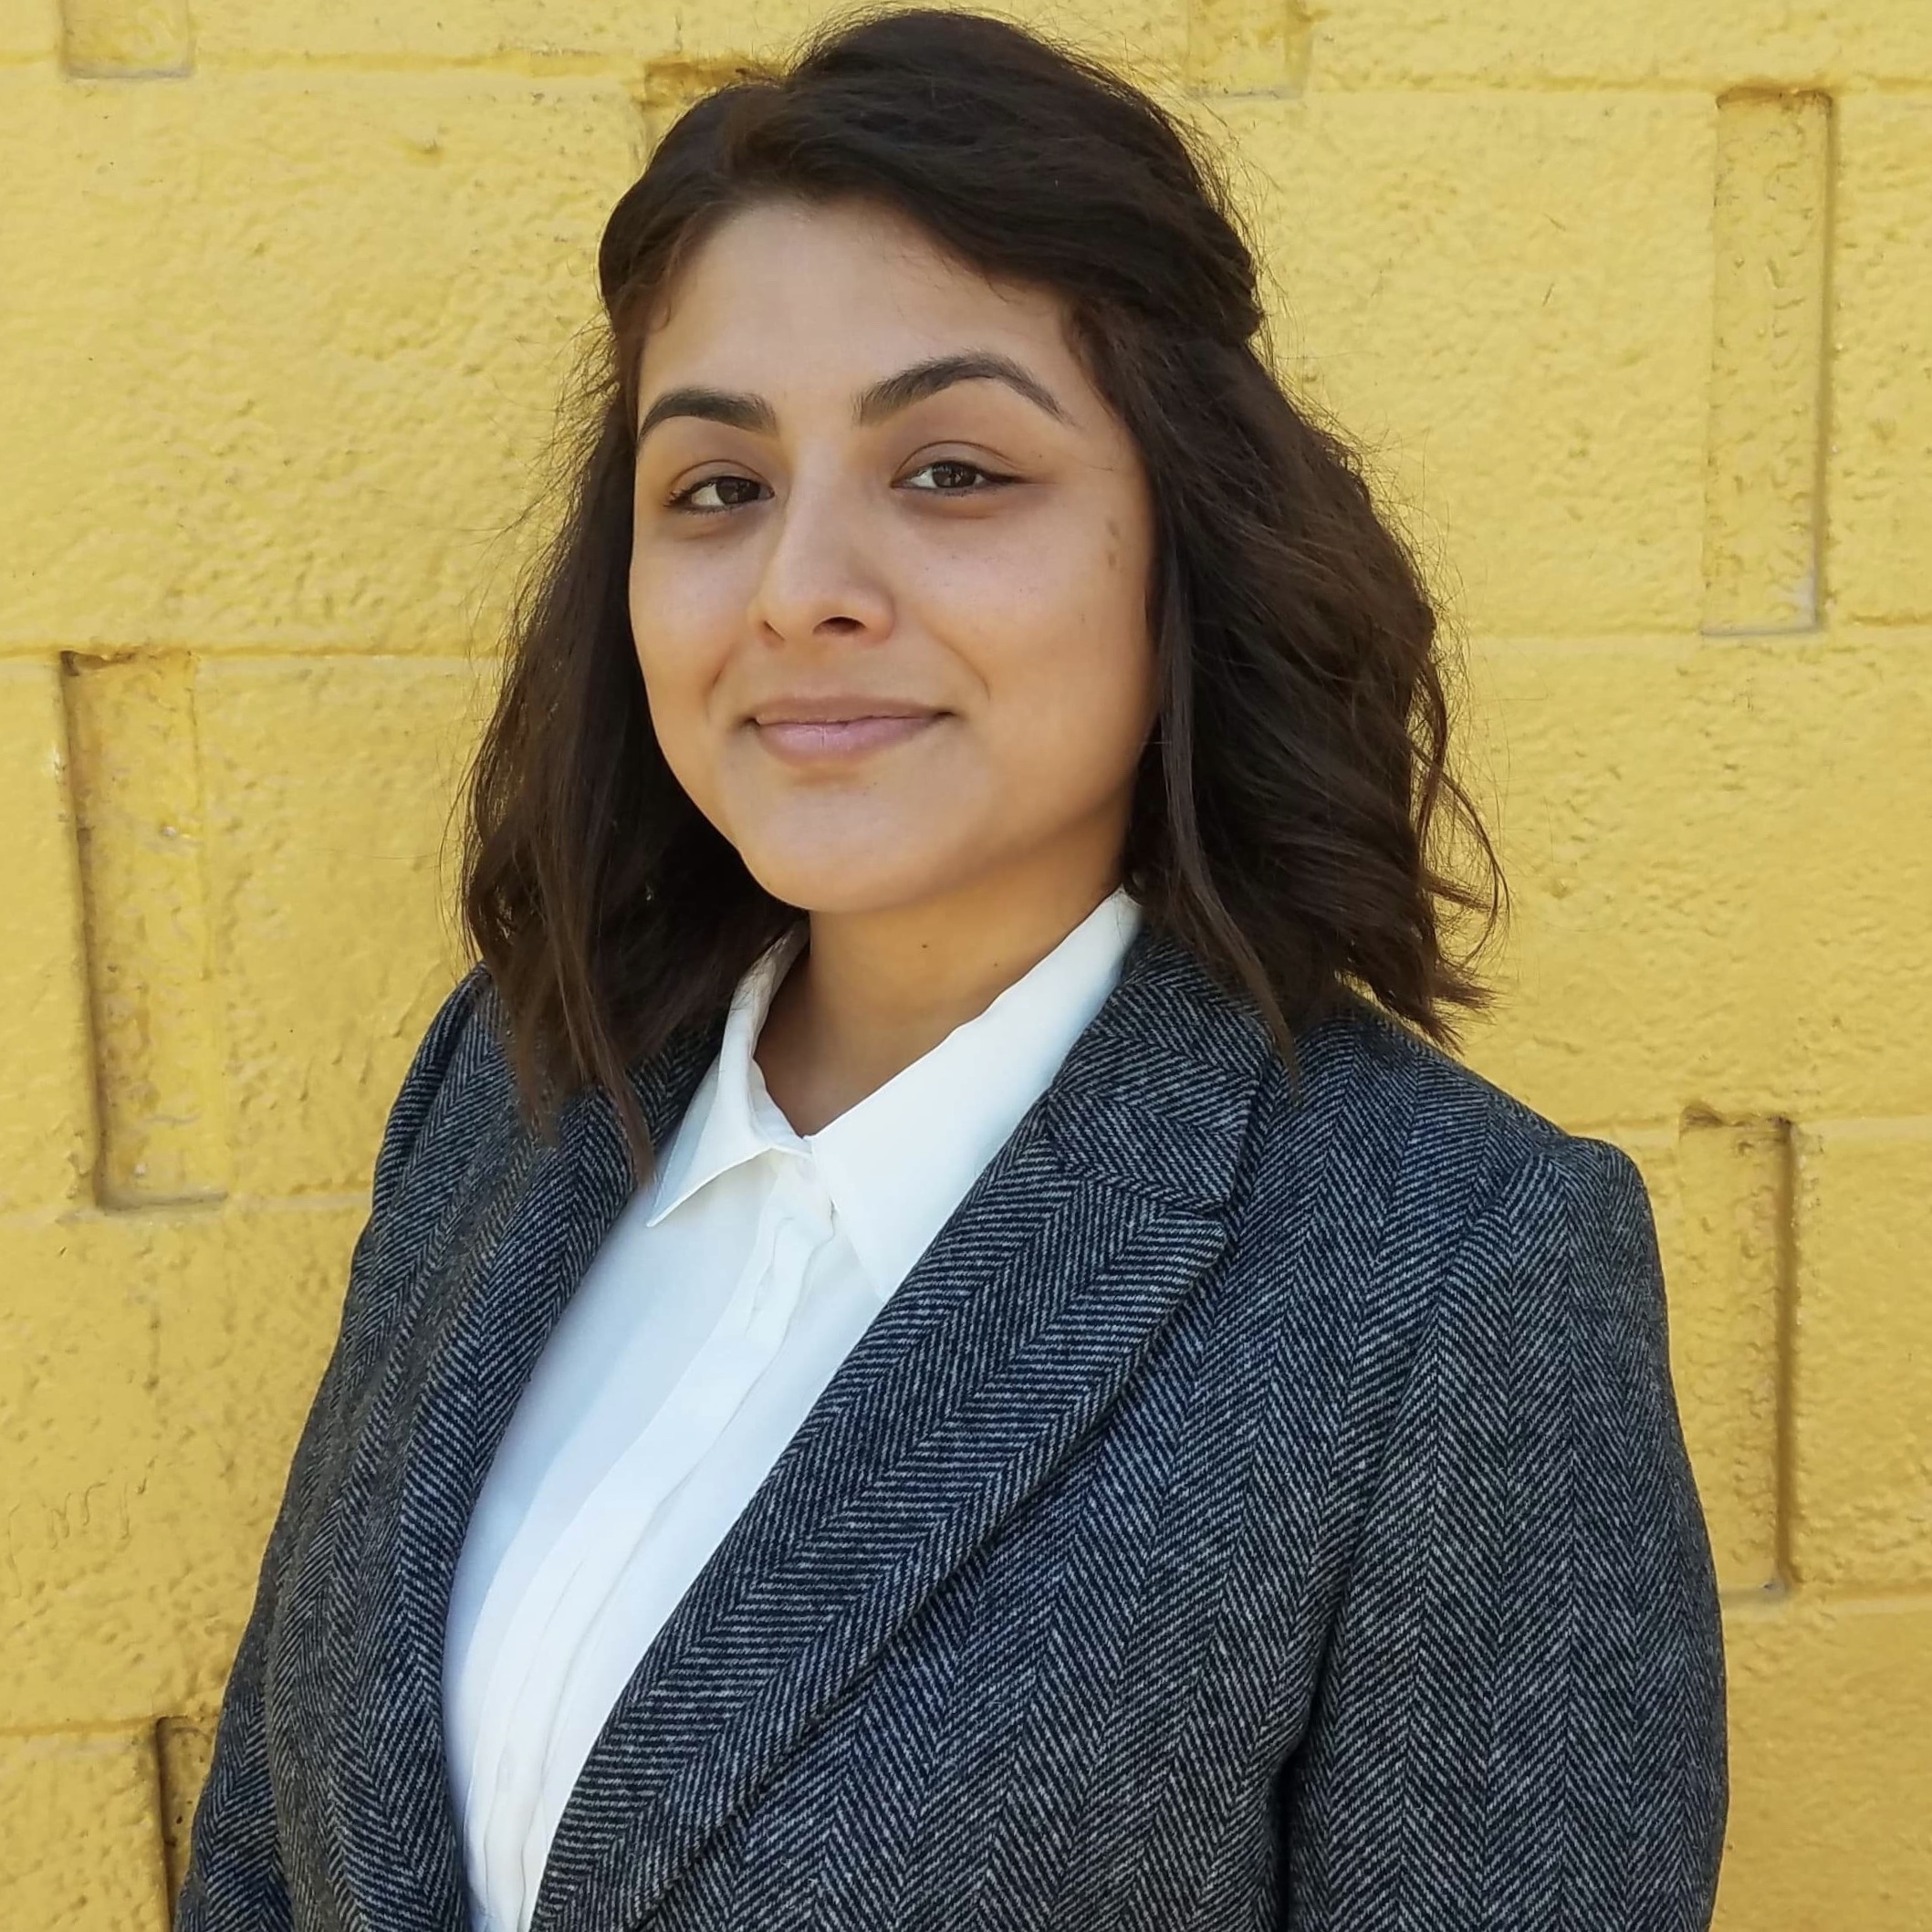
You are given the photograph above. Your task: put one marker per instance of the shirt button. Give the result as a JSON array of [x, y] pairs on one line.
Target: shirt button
[[810, 1198]]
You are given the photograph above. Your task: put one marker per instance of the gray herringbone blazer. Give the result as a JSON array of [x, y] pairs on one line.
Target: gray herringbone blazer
[[1262, 1506]]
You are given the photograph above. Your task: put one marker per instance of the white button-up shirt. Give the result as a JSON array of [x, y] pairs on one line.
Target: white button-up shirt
[[728, 1293]]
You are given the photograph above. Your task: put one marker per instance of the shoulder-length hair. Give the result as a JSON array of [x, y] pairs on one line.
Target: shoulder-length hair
[[1287, 820]]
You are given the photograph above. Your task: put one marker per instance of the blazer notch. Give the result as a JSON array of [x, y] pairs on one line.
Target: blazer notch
[[1156, 1096]]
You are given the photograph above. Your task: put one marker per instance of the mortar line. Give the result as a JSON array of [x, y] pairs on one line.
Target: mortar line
[[1827, 356], [215, 1008], [1784, 1566], [163, 1865], [68, 666], [1706, 508], [604, 64]]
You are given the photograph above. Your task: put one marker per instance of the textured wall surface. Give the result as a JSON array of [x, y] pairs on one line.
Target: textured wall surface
[[1633, 307]]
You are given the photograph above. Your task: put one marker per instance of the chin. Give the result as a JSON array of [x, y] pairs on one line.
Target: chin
[[832, 879]]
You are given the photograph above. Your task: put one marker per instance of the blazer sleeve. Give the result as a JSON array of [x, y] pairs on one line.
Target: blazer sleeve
[[235, 1881], [1520, 1720]]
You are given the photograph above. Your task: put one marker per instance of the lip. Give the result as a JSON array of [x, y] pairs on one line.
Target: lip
[[817, 741], [819, 730]]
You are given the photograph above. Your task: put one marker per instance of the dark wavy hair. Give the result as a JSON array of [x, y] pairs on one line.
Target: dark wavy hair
[[1291, 809]]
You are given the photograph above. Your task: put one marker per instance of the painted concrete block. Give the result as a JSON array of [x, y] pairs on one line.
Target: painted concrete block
[[1831, 1801], [127, 39], [29, 29], [331, 788], [1880, 508], [1721, 902], [81, 1845], [1720, 1193], [1716, 44], [184, 1747], [1764, 509], [47, 1128], [154, 1374], [1249, 46], [241, 1351], [1150, 37], [321, 323], [1506, 299], [136, 781], [1863, 1371]]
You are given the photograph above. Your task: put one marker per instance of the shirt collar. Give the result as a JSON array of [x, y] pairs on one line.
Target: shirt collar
[[732, 1118], [899, 1162]]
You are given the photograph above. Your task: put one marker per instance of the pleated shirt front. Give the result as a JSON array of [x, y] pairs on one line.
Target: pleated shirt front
[[721, 1304]]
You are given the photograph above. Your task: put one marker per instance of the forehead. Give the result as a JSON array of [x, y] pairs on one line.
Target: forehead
[[836, 292]]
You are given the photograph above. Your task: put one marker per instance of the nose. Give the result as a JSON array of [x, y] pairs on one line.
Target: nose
[[820, 580]]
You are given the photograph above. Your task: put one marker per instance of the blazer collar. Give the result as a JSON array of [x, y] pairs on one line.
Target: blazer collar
[[1032, 1309], [900, 1161], [1155, 1095]]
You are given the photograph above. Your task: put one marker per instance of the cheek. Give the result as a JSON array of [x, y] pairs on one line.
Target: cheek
[[681, 628], [687, 609], [1063, 650]]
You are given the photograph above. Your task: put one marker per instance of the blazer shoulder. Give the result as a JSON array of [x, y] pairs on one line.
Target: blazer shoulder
[[1407, 1134], [459, 1079]]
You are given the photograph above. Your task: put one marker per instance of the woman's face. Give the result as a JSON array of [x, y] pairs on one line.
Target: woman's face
[[890, 568]]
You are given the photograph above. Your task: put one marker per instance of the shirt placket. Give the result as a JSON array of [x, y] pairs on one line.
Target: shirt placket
[[611, 1531]]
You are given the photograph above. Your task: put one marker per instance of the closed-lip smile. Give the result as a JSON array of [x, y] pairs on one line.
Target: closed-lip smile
[[816, 729]]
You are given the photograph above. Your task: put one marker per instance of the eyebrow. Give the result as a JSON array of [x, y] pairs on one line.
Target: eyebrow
[[889, 396], [884, 398], [714, 406]]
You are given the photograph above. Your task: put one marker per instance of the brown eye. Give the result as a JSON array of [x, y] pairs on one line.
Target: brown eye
[[952, 477], [713, 494]]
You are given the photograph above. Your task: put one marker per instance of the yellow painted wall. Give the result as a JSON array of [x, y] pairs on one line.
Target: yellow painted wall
[[1633, 303]]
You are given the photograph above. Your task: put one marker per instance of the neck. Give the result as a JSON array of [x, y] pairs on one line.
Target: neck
[[876, 990]]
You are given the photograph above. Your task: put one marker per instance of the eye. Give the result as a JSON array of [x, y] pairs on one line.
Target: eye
[[954, 476], [709, 494]]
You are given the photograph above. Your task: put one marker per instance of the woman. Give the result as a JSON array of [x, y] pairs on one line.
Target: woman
[[938, 1343]]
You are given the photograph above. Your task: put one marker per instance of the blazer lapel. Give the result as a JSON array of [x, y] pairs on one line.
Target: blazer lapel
[[996, 1357], [496, 1292]]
